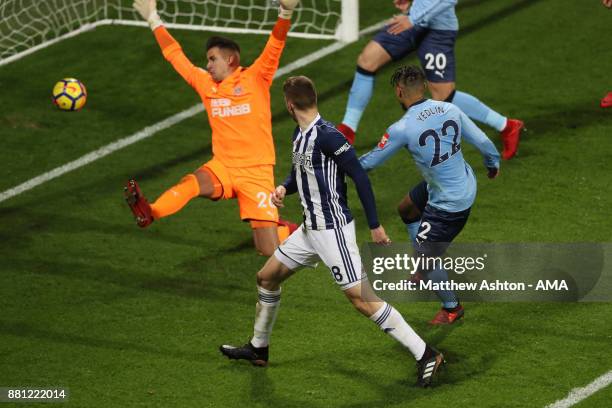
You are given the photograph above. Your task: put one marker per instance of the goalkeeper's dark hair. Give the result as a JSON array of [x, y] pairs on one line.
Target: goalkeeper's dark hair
[[222, 43], [409, 77], [301, 92]]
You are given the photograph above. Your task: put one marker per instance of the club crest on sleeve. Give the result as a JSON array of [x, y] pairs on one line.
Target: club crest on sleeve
[[383, 141]]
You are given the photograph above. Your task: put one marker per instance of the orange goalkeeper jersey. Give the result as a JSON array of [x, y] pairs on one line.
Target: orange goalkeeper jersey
[[238, 107]]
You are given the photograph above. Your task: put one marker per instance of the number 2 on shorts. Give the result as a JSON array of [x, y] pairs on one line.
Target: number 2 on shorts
[[424, 230]]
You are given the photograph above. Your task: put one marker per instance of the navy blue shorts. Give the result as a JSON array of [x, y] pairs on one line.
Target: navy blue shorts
[[436, 50], [419, 196], [438, 228]]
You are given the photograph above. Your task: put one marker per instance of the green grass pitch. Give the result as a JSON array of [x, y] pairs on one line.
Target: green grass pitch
[[133, 318]]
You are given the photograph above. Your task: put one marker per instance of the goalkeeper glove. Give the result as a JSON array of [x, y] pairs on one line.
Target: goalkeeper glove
[[286, 8], [148, 10]]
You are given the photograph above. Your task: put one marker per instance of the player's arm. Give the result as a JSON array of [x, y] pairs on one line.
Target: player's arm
[[289, 186], [171, 49], [267, 62], [334, 145], [290, 183], [389, 144], [476, 137]]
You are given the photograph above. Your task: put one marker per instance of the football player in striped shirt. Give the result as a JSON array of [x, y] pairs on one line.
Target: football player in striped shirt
[[321, 159]]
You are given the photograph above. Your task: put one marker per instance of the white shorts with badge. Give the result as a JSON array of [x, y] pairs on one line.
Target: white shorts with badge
[[337, 248]]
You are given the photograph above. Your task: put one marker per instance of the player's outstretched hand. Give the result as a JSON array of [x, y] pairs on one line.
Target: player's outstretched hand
[[145, 8], [286, 8], [607, 3], [289, 4], [493, 172], [403, 5], [278, 196], [148, 11], [399, 24], [379, 236]]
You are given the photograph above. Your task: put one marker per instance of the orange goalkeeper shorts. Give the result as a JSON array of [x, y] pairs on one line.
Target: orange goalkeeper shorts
[[252, 186]]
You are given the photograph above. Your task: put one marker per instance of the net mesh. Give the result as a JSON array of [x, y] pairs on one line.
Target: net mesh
[[311, 16], [27, 23]]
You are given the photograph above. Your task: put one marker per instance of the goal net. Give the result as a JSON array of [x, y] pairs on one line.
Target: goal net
[[28, 25]]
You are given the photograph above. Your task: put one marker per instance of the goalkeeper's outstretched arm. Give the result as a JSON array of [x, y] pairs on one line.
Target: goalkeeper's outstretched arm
[[267, 63], [170, 47]]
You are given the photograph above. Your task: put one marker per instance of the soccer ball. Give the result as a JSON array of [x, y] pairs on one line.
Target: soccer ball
[[69, 94]]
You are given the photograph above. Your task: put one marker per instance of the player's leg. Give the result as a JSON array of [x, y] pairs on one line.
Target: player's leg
[[265, 236], [295, 253], [338, 249], [437, 230], [437, 55], [385, 316], [472, 107], [199, 184], [369, 61], [269, 279], [411, 208], [363, 298], [381, 50], [393, 323], [208, 181], [510, 129]]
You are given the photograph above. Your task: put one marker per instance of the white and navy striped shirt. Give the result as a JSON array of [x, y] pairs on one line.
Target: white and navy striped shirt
[[321, 157]]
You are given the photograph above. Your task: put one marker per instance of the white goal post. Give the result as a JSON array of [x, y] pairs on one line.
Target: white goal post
[[29, 25]]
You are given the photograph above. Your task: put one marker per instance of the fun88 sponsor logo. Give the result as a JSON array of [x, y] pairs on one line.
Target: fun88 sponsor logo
[[223, 108]]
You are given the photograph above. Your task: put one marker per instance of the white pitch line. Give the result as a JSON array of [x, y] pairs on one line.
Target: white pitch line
[[82, 29], [101, 152], [578, 394], [164, 124]]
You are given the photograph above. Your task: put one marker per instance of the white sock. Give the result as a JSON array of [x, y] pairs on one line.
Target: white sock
[[392, 323], [265, 315]]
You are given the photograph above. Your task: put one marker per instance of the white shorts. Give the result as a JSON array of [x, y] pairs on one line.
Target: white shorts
[[337, 248]]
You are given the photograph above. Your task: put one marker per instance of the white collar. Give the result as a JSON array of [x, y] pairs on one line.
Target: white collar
[[316, 119]]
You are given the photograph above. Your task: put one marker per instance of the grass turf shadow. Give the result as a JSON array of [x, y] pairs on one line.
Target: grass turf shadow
[[190, 285], [24, 330]]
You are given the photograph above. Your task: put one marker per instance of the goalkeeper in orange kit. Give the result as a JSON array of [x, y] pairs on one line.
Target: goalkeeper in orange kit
[[237, 101]]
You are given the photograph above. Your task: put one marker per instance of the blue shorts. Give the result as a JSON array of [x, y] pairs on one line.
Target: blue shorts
[[438, 228], [436, 49], [419, 196]]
